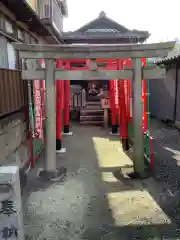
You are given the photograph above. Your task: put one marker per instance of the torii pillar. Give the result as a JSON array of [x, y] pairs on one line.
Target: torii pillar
[[50, 171]]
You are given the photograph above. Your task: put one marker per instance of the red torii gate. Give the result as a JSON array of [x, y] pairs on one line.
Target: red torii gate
[[120, 99], [124, 95]]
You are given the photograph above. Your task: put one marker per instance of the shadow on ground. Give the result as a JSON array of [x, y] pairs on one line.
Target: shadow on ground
[[166, 174], [167, 167], [90, 203]]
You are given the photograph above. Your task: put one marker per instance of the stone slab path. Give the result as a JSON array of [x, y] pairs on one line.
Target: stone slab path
[[92, 203]]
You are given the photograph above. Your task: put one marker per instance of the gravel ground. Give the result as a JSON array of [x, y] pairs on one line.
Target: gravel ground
[[167, 167], [167, 154], [92, 203]]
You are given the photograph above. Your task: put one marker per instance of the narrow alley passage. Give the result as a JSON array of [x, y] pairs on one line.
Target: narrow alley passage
[[92, 202]]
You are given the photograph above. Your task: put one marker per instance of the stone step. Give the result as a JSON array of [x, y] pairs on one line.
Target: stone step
[[92, 112], [96, 123], [93, 103], [93, 107], [94, 118]]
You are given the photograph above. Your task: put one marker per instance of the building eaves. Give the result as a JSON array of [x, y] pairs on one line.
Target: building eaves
[[173, 55], [103, 34], [26, 14]]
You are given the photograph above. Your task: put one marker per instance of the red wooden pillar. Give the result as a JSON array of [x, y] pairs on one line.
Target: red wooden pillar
[[67, 99], [128, 99], [67, 89], [59, 110], [123, 113], [112, 92], [123, 116]]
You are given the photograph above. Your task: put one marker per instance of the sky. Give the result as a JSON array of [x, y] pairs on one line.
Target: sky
[[160, 18]]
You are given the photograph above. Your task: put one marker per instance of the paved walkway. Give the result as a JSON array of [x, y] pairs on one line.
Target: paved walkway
[[91, 203]]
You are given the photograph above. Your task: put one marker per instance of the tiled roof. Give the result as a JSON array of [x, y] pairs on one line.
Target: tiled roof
[[104, 27]]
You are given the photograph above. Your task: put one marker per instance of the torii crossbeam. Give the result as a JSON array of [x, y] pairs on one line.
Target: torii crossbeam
[[52, 52]]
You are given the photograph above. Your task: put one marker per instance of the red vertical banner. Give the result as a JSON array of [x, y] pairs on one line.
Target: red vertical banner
[[145, 100], [130, 100], [122, 110], [116, 94], [62, 93], [112, 103], [43, 92], [38, 108], [128, 63], [126, 96]]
